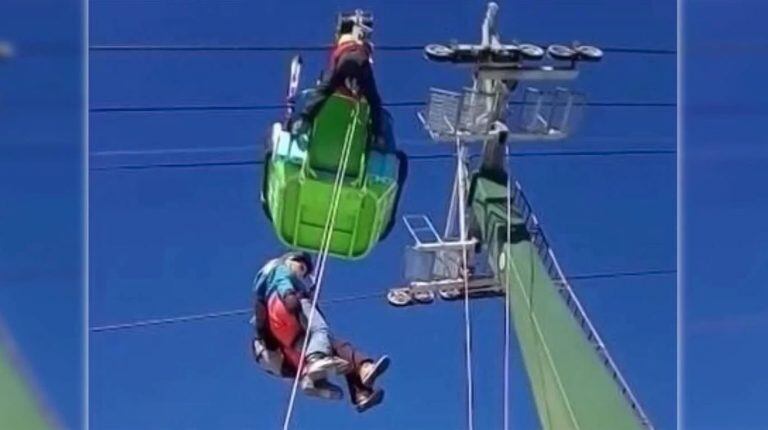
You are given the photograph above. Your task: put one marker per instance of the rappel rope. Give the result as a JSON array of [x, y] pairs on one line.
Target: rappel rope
[[467, 321], [323, 255], [507, 298]]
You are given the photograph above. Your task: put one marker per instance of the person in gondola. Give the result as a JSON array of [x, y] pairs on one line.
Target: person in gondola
[[350, 68]]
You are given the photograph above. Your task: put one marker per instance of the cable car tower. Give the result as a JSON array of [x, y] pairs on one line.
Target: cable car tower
[[492, 243]]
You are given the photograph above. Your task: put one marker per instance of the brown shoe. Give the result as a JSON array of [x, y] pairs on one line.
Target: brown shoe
[[365, 401], [321, 388], [375, 369], [318, 366]]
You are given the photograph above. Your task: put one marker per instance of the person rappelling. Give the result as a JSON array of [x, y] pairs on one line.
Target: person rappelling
[[281, 308]]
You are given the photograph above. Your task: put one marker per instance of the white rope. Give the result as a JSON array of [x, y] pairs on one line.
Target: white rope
[[451, 210], [507, 298], [467, 320], [322, 258]]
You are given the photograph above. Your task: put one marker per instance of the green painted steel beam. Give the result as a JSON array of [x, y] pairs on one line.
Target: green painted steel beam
[[573, 384], [19, 408]]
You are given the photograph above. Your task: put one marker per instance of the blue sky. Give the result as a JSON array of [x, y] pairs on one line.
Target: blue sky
[[41, 116], [176, 241], [725, 260]]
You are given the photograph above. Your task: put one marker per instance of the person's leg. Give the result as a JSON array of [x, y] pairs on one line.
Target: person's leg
[[284, 324], [261, 328], [317, 329], [363, 396], [371, 94], [356, 65], [385, 141], [284, 327], [260, 317], [346, 351], [359, 68], [319, 354], [317, 97], [365, 368], [314, 101]]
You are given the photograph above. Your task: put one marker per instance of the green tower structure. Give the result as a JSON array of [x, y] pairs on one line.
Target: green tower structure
[[575, 383], [20, 407]]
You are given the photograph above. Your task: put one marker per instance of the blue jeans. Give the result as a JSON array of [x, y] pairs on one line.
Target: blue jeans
[[318, 332]]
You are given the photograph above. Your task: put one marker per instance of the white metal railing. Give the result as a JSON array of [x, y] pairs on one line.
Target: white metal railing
[[468, 115]]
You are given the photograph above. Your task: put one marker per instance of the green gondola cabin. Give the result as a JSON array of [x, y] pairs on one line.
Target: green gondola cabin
[[298, 183]]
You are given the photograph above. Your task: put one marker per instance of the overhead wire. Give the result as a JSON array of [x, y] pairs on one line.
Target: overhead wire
[[238, 163], [402, 141], [394, 104], [315, 48], [344, 299]]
